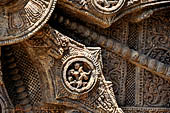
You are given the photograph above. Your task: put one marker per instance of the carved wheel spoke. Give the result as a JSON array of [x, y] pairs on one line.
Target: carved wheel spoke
[[19, 19]]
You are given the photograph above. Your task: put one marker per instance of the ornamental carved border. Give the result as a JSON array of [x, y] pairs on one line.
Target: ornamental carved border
[[20, 19], [104, 13]]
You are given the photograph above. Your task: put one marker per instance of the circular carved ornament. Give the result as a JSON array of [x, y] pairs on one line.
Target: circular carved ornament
[[19, 19], [79, 75], [108, 6]]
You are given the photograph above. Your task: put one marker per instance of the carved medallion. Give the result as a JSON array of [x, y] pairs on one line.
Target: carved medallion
[[108, 6], [79, 75], [19, 19]]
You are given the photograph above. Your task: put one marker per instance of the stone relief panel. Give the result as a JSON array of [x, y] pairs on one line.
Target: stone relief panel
[[156, 91], [156, 45], [77, 74], [104, 13], [131, 67], [138, 37]]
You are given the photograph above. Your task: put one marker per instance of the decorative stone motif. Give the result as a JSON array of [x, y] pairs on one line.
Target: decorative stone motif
[[71, 76], [147, 47], [79, 75], [135, 57], [19, 19], [108, 6], [80, 70]]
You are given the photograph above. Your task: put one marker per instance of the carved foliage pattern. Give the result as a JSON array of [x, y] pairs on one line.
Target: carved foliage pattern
[[114, 67], [155, 43], [156, 89]]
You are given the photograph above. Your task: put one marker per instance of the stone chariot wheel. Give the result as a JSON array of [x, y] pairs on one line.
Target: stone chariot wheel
[[19, 19]]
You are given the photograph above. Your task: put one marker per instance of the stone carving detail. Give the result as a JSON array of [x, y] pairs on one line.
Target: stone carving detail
[[107, 12], [108, 6], [79, 76], [21, 18], [130, 2], [156, 45], [149, 89], [59, 45], [72, 77], [107, 99], [82, 74], [156, 91]]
